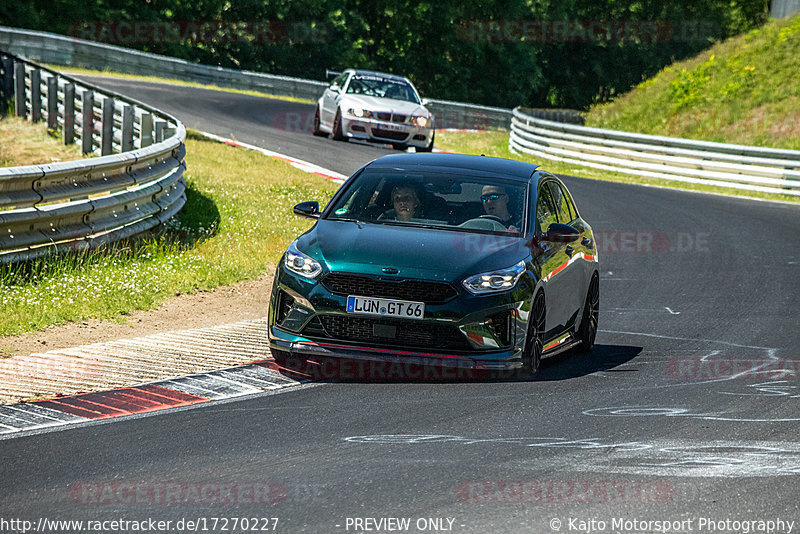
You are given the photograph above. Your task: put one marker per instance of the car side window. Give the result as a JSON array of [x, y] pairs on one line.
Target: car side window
[[560, 202], [573, 211], [545, 208], [339, 80]]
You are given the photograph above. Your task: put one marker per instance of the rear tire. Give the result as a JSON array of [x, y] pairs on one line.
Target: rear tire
[[534, 344], [317, 131], [591, 312], [337, 127]]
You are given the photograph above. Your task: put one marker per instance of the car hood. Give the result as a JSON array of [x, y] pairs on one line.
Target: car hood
[[374, 103], [415, 252]]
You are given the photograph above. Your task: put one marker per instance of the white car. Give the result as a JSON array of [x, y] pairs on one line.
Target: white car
[[376, 107]]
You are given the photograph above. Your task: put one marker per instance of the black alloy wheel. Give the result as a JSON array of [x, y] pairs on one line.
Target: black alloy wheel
[[534, 344], [591, 314]]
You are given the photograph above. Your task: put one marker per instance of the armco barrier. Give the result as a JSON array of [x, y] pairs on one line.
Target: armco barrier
[[73, 52], [769, 170], [135, 184]]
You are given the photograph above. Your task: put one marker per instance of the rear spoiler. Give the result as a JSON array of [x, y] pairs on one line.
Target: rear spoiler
[[329, 73]]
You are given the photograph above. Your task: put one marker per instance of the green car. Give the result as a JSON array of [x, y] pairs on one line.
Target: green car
[[439, 259]]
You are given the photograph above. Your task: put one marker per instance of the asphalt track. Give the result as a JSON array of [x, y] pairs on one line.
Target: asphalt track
[[687, 411]]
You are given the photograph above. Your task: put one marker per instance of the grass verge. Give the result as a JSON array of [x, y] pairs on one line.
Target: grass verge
[[236, 224], [742, 91], [140, 78], [495, 143], [26, 143]]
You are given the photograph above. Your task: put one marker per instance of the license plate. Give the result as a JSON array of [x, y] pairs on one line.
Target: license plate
[[385, 307], [392, 127]]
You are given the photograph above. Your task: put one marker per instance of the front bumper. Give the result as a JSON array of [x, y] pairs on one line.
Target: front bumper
[[296, 345], [374, 130], [465, 327]]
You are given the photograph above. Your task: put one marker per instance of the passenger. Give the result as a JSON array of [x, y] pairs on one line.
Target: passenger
[[495, 202]]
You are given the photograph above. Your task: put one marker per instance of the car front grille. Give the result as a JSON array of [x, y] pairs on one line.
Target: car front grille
[[415, 290], [391, 117], [387, 332], [388, 134]]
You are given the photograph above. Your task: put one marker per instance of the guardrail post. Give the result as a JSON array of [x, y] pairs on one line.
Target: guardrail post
[[52, 103], [69, 113], [36, 95], [146, 130], [127, 129], [87, 121], [108, 127], [19, 89], [6, 83], [160, 127]]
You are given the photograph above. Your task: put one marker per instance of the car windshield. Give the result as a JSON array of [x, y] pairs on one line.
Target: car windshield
[[382, 87], [433, 200]]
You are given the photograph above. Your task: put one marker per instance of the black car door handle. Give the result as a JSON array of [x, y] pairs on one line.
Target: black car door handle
[[569, 250]]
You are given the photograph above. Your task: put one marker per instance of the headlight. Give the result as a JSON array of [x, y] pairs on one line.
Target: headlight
[[300, 263], [495, 281], [358, 112], [419, 121]]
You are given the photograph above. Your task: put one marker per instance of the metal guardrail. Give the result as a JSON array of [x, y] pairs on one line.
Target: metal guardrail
[[73, 52], [135, 184], [769, 170]]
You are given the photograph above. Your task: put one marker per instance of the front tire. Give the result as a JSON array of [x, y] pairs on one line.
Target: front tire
[[534, 344], [591, 313], [338, 135]]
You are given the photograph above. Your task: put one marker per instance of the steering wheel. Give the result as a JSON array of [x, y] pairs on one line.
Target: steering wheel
[[485, 222]]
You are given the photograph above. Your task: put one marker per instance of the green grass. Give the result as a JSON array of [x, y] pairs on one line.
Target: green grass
[[495, 143], [25, 143], [743, 91], [156, 79], [236, 223]]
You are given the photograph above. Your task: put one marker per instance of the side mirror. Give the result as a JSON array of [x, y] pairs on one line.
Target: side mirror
[[561, 233], [426, 102], [308, 209]]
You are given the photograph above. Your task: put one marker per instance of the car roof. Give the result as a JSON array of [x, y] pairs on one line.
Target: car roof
[[499, 167], [381, 74]]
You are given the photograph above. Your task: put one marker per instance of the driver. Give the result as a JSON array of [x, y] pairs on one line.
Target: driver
[[405, 202], [495, 202]]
